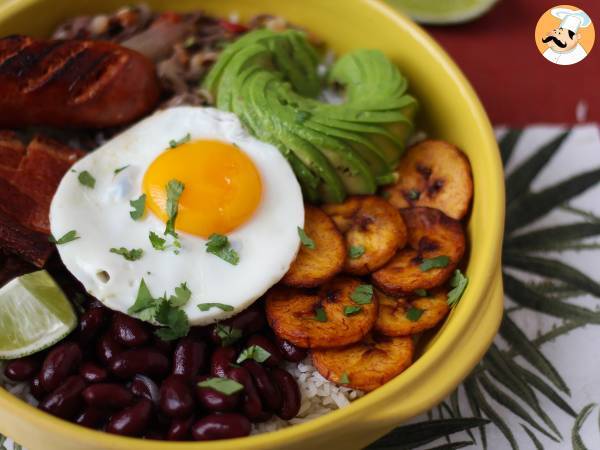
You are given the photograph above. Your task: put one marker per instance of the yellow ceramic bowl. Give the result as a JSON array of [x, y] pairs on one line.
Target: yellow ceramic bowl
[[449, 110]]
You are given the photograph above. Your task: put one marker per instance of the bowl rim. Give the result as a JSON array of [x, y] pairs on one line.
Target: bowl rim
[[488, 274]]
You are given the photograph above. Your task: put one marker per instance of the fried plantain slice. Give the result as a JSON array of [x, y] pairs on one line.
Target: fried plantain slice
[[435, 174], [327, 318], [373, 230], [367, 364], [436, 244], [403, 316], [314, 266]]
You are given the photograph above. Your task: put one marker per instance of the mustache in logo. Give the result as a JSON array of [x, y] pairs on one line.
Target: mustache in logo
[[556, 41]]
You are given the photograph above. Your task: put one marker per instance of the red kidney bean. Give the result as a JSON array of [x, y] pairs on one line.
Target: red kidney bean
[[92, 417], [189, 358], [290, 394], [155, 435], [142, 386], [129, 331], [62, 361], [91, 323], [176, 399], [248, 321], [36, 388], [93, 373], [221, 359], [107, 348], [252, 406], [213, 400], [221, 426], [267, 389], [180, 429], [107, 396], [290, 351], [265, 343], [22, 369], [146, 361], [133, 420], [65, 400], [165, 347]]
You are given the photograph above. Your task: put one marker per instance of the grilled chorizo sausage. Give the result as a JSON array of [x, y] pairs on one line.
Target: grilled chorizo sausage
[[72, 83]]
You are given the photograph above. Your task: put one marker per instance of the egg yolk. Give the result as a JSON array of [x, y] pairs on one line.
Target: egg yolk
[[222, 187]]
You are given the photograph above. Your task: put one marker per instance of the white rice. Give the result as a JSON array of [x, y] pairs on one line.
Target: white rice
[[319, 395]]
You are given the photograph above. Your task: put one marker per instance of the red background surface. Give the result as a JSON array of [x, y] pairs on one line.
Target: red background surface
[[516, 84]]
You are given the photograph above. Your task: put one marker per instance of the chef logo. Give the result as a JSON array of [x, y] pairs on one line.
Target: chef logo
[[564, 35]]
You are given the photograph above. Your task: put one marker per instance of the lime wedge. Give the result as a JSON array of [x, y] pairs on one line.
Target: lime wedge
[[443, 12], [34, 314]]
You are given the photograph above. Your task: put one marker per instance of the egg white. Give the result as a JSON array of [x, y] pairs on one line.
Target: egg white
[[267, 243]]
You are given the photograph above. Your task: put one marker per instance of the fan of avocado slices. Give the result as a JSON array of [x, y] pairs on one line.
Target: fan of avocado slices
[[270, 81]]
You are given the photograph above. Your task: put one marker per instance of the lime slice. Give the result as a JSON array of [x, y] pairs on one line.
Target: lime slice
[[34, 314], [443, 12]]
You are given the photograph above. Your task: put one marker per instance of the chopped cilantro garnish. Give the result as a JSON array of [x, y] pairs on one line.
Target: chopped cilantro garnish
[[306, 240], [421, 293], [459, 283], [189, 42], [344, 379], [157, 242], [181, 297], [352, 309], [438, 262], [414, 314], [363, 294], [175, 321], [220, 246], [413, 194], [174, 191], [139, 206], [145, 305], [228, 335], [120, 169], [356, 251], [130, 255], [302, 116], [67, 237], [255, 352], [320, 315], [175, 143], [221, 306], [87, 179], [223, 385]]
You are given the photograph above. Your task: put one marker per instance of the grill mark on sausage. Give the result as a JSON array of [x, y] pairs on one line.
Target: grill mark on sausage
[[92, 62], [57, 56], [94, 81], [10, 46]]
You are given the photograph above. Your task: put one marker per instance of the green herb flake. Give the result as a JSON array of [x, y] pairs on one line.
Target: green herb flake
[[223, 385], [363, 294], [67, 237], [356, 251], [174, 191], [130, 255], [421, 293], [438, 262], [255, 352], [320, 315], [87, 179], [174, 320], [306, 241], [228, 335], [352, 309], [189, 42], [120, 169], [139, 206], [145, 305], [459, 283], [302, 116], [413, 194], [157, 242], [220, 246], [414, 314], [176, 143], [221, 306], [344, 378], [181, 297]]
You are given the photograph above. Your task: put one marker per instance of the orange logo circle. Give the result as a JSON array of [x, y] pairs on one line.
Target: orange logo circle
[[565, 35]]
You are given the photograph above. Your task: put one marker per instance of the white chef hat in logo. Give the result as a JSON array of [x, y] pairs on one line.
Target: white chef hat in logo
[[571, 19]]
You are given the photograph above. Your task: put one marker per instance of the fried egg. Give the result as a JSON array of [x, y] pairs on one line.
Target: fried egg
[[233, 185]]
